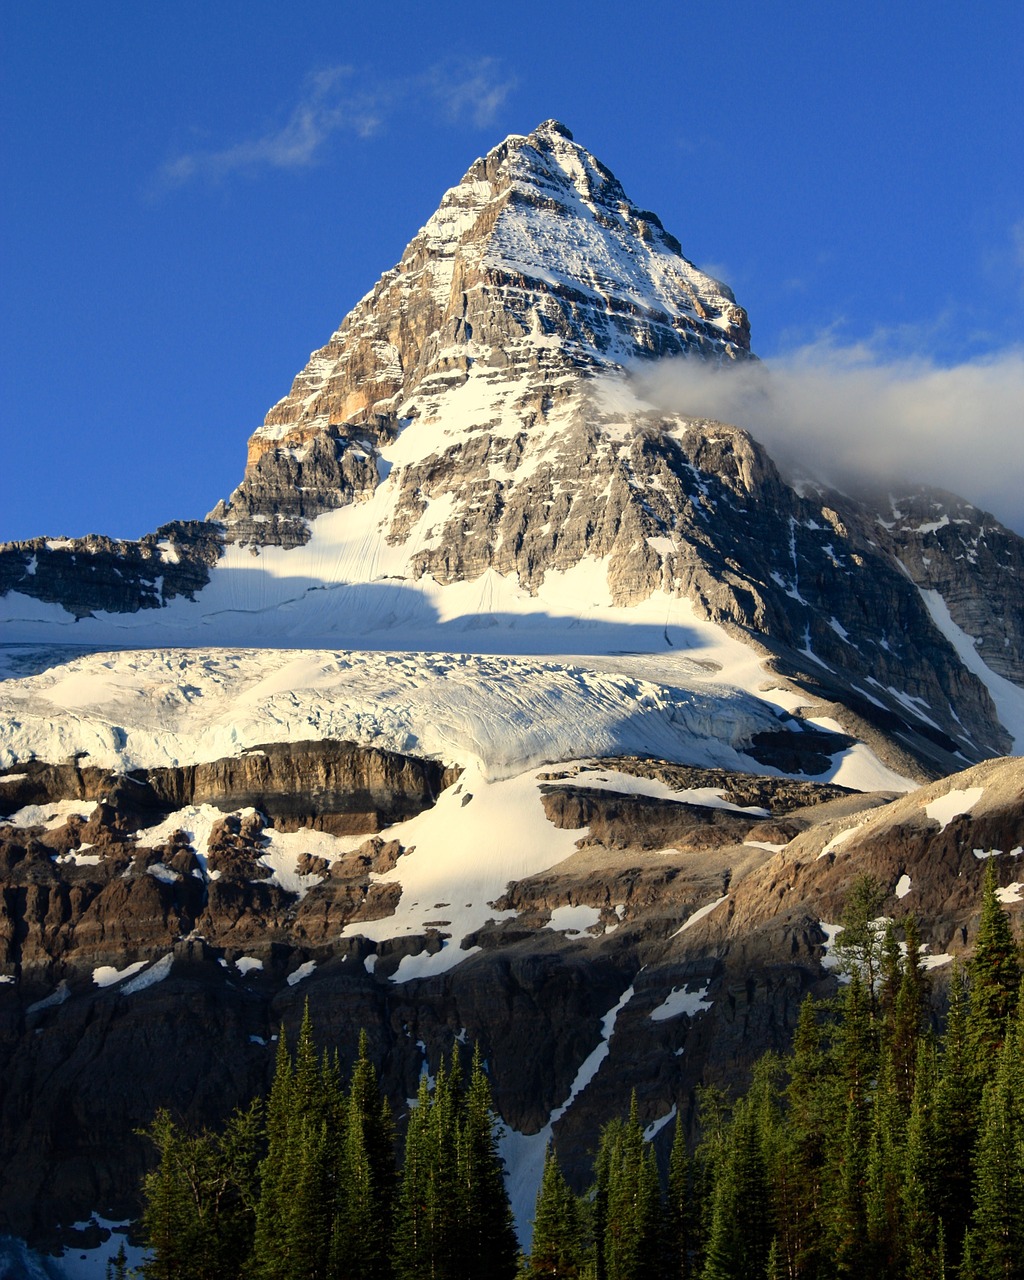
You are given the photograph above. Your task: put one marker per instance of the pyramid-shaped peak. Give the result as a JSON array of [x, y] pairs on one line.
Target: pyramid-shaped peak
[[553, 126], [535, 271]]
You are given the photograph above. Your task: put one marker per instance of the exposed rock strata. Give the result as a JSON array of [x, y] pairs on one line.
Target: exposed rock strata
[[90, 892], [332, 786], [95, 573]]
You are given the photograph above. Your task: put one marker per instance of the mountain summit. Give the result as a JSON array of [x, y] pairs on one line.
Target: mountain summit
[[467, 465], [497, 705], [535, 270]]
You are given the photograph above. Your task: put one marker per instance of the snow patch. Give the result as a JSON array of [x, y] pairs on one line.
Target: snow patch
[[52, 1000], [952, 804], [1007, 696], [574, 919], [679, 1001], [51, 816], [302, 972], [699, 914], [105, 975], [151, 976]]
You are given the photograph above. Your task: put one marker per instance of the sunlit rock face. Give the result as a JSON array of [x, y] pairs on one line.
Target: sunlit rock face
[[472, 431], [535, 272]]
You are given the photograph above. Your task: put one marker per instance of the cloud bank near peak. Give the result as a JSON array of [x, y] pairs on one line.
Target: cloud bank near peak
[[850, 414]]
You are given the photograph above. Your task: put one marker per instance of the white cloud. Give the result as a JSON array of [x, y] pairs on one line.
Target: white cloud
[[328, 104], [473, 88], [332, 102], [849, 413]]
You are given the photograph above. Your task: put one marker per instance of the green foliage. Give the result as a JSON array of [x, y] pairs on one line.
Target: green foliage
[[560, 1245], [454, 1221], [995, 975], [198, 1221], [874, 1150]]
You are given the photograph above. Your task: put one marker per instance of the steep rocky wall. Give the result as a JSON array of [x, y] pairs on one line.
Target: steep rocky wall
[[96, 573], [83, 1066]]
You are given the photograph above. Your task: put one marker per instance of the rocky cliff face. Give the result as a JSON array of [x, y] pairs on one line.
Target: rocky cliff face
[[675, 941], [465, 472], [474, 415], [86, 575], [974, 564]]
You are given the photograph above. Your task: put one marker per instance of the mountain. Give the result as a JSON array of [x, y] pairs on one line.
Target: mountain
[[494, 703]]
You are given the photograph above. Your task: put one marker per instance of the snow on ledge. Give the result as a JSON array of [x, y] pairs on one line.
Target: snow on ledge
[[105, 975], [573, 919], [952, 804], [679, 1001], [151, 976], [699, 914]]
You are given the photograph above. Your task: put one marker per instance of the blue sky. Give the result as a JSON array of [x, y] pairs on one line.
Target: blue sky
[[194, 195]]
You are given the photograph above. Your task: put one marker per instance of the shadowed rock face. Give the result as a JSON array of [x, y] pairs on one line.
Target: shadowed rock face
[[96, 573], [84, 1065]]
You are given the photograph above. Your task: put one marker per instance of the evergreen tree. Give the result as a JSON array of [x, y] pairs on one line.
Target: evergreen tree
[[117, 1265], [635, 1204], [309, 1220], [955, 1123], [270, 1238], [860, 947], [679, 1209], [742, 1228], [366, 1179], [997, 1228], [627, 1241], [920, 1228], [489, 1244], [812, 1099], [883, 1202], [714, 1113], [995, 976], [559, 1244], [443, 1190], [412, 1240], [197, 1222], [908, 1018]]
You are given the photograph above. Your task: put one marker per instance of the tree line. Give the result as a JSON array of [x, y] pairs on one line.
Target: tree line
[[876, 1150]]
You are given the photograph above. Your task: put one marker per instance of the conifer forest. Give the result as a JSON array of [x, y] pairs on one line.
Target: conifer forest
[[888, 1145]]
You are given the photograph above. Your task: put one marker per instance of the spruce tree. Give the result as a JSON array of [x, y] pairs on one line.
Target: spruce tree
[[812, 1098], [412, 1254], [198, 1219], [559, 1245], [955, 1122], [270, 1239], [489, 1244], [908, 1017], [627, 1242], [920, 1227], [997, 1226], [714, 1113], [860, 946], [366, 1179], [742, 1226], [679, 1208], [995, 975], [308, 1219]]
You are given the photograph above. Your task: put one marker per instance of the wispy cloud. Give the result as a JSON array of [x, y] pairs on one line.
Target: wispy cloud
[[327, 105], [332, 102], [473, 88], [856, 412]]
